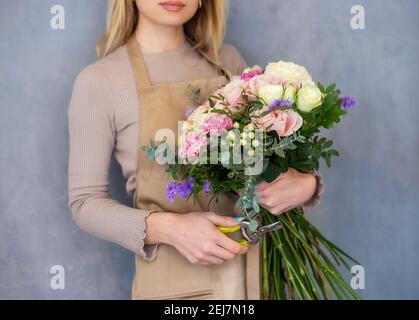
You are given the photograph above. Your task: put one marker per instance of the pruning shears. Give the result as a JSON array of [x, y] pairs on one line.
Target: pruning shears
[[251, 237]]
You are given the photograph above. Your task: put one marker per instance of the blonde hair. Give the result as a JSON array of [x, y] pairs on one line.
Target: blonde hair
[[205, 31]]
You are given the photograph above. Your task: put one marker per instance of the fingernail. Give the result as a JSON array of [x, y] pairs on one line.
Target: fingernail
[[238, 219]]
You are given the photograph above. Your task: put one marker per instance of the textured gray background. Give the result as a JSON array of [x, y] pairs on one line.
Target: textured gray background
[[371, 204]]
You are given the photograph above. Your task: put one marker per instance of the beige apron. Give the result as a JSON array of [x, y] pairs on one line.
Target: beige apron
[[170, 275]]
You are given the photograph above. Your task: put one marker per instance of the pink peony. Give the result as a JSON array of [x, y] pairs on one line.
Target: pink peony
[[192, 146], [214, 124], [284, 122]]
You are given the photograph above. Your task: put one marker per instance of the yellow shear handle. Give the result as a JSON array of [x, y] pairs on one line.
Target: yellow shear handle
[[227, 230]]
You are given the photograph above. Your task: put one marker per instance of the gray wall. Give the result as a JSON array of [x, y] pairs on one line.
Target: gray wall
[[370, 207]]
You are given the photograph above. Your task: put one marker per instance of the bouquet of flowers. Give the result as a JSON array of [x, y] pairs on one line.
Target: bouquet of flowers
[[254, 129]]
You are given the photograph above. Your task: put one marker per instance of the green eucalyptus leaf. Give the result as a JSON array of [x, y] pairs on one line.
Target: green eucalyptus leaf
[[151, 154], [152, 144], [257, 198], [256, 207], [279, 152], [253, 225]]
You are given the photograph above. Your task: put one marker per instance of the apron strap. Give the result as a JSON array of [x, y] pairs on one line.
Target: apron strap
[[137, 61]]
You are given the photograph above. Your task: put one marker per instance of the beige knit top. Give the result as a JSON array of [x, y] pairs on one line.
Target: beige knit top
[[103, 120]]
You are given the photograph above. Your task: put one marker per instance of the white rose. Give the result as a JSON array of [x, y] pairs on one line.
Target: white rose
[[309, 98], [271, 92], [288, 71], [198, 112], [290, 94]]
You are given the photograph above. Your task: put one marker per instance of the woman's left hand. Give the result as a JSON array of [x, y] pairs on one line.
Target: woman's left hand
[[291, 189]]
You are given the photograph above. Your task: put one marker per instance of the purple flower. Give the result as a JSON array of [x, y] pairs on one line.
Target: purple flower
[[186, 188], [172, 191], [188, 112], [277, 104], [348, 102], [207, 186], [179, 189]]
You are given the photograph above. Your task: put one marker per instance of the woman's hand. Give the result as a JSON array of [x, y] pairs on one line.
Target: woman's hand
[[291, 189], [194, 235]]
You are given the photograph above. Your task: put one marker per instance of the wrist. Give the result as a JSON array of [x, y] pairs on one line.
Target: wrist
[[158, 228], [311, 184]]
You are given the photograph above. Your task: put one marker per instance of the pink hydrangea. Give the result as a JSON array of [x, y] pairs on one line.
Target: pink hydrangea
[[192, 146], [216, 123]]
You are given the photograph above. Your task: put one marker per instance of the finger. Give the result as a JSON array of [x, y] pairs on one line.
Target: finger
[[230, 245], [276, 211], [283, 209], [267, 200], [262, 186], [263, 193], [222, 253], [222, 221], [209, 259]]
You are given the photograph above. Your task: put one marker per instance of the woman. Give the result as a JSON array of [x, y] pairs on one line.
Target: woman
[[156, 54]]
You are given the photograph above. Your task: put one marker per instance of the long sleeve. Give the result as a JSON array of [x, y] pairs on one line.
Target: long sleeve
[[92, 136]]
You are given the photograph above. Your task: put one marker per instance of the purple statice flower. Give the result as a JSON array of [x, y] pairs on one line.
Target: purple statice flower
[[348, 102], [188, 112], [179, 189], [207, 186], [172, 191], [186, 187], [278, 104]]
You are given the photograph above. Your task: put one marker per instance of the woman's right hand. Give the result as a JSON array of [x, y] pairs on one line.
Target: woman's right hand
[[194, 235]]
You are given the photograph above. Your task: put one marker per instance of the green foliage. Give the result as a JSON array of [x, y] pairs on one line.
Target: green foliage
[[325, 116]]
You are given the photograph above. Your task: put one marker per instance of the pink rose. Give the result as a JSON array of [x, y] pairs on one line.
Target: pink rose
[[285, 123], [233, 92], [216, 123], [254, 84]]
